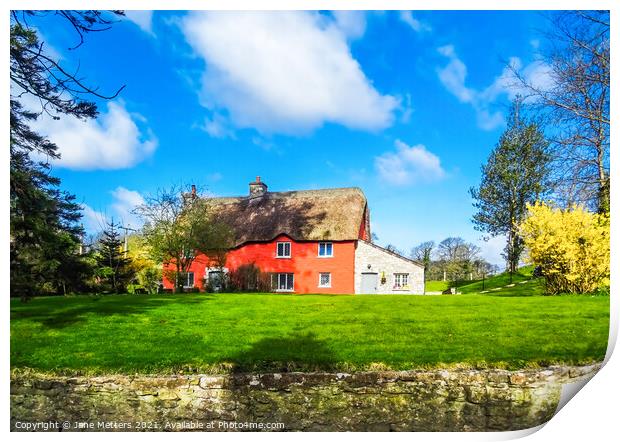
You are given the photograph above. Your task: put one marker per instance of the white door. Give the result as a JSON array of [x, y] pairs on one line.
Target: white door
[[369, 283]]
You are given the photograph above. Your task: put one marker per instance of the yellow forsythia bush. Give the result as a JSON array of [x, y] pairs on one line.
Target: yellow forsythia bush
[[571, 246]]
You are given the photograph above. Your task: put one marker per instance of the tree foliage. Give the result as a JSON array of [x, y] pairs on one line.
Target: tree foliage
[[392, 248], [179, 225], [34, 72], [571, 246], [113, 265], [249, 278], [45, 231], [423, 253], [455, 259], [515, 174], [575, 98], [147, 272]]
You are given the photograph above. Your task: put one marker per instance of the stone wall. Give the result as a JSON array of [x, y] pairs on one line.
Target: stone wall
[[371, 258], [439, 400]]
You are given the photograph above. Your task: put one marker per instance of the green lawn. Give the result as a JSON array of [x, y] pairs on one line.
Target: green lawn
[[206, 332], [437, 286]]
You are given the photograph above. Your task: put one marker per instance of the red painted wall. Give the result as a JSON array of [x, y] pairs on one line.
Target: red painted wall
[[304, 263]]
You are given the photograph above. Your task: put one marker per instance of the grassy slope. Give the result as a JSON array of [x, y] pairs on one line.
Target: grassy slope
[[158, 334], [503, 279], [533, 287]]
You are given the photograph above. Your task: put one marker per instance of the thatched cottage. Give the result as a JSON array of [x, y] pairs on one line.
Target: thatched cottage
[[308, 241]]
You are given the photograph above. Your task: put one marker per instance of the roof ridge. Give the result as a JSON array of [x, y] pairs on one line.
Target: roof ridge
[[415, 261], [327, 189]]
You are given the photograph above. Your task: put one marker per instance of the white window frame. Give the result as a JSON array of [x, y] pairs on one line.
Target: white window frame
[[398, 281], [284, 249], [186, 282], [319, 249], [329, 284], [285, 274], [222, 275]]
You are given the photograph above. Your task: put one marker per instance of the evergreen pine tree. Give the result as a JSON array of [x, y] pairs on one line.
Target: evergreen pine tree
[[515, 174], [45, 231], [44, 220], [113, 265]]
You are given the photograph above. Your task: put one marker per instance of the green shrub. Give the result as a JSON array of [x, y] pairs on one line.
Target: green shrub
[[150, 279], [249, 278]]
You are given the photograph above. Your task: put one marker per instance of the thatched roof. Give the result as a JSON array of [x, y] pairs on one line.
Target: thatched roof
[[305, 215]]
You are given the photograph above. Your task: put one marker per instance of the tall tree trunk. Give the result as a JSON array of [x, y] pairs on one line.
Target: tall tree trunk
[[509, 253], [178, 284], [603, 192]]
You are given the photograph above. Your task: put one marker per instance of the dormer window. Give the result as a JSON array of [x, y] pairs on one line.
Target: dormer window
[[326, 250], [283, 250]]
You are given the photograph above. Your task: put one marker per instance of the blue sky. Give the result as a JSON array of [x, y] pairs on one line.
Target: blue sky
[[405, 105]]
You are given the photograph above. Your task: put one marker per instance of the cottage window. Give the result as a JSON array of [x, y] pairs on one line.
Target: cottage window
[[325, 279], [283, 250], [326, 249], [215, 280], [401, 280], [187, 279], [282, 282]]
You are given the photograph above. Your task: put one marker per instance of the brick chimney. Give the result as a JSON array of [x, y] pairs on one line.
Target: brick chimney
[[193, 191], [257, 188]]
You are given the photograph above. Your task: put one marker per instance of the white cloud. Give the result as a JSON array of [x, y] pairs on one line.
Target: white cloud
[[453, 76], [49, 50], [447, 50], [409, 164], [214, 177], [414, 23], [492, 250], [263, 143], [92, 220], [125, 201], [406, 108], [143, 19], [488, 120], [539, 75], [112, 141], [285, 72], [505, 83], [351, 23], [217, 127]]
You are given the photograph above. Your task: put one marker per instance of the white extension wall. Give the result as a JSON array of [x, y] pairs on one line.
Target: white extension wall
[[383, 262]]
